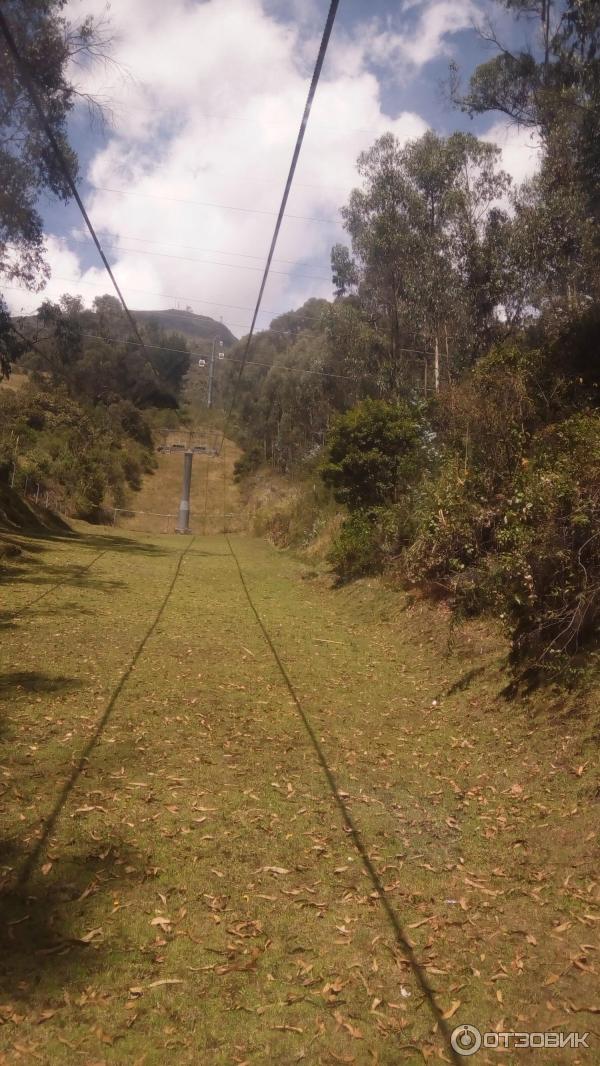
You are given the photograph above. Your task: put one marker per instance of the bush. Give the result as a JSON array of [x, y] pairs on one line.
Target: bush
[[80, 453], [364, 543], [247, 464], [547, 576], [374, 453], [454, 529]]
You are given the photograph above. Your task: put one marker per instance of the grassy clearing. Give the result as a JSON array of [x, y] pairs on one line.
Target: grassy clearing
[[213, 492], [197, 900]]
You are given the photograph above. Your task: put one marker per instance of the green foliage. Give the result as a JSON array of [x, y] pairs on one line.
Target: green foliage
[[355, 550], [85, 457], [91, 354], [28, 166], [248, 462], [452, 527], [362, 544], [282, 404], [373, 453], [546, 578]]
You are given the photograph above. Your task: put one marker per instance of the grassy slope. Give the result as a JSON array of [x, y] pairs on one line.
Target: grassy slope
[[198, 901], [212, 492]]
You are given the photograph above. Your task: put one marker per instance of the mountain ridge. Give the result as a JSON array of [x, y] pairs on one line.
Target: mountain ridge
[[195, 327]]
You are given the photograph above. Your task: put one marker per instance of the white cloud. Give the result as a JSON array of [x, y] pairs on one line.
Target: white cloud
[[427, 39], [520, 147], [207, 99]]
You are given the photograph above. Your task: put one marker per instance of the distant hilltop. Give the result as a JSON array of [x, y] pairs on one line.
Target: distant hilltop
[[196, 327]]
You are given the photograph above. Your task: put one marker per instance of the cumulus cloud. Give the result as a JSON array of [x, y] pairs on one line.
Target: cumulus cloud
[[425, 39], [206, 101], [520, 147]]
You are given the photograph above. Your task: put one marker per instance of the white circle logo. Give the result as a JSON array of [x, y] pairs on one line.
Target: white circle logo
[[466, 1040]]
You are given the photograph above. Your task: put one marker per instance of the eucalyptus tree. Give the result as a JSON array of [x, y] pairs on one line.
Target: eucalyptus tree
[[552, 85], [48, 43], [423, 265]]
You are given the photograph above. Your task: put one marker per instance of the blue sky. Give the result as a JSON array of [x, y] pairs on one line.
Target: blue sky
[[203, 100]]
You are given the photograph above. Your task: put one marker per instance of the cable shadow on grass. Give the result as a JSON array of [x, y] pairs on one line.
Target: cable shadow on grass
[[51, 575], [29, 682], [45, 926]]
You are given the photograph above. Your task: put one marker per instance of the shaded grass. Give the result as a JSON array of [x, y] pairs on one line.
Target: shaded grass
[[200, 846]]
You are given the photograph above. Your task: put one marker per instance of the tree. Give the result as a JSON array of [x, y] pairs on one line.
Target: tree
[[424, 233], [28, 167], [554, 87]]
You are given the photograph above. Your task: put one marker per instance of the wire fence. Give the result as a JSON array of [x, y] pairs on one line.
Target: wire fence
[[207, 523], [203, 522]]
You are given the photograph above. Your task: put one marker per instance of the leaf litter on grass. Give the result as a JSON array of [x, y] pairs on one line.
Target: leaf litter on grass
[[228, 917]]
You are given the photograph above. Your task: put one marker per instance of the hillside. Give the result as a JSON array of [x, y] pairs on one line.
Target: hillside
[[195, 327], [155, 507]]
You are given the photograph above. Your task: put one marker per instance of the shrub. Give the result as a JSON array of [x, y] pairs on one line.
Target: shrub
[[454, 529], [373, 453], [547, 577], [364, 542], [247, 464]]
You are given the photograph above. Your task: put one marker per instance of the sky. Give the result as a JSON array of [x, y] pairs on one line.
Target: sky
[[202, 101]]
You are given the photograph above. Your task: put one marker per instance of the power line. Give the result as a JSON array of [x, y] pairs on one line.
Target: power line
[[193, 247], [353, 832], [226, 358], [286, 192], [231, 358], [150, 292], [30, 87], [209, 262], [210, 203]]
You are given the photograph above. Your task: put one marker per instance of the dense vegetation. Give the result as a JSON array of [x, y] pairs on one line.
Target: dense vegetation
[[449, 395], [454, 380], [79, 433]]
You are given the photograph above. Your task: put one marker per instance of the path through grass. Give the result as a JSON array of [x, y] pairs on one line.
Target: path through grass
[[197, 900]]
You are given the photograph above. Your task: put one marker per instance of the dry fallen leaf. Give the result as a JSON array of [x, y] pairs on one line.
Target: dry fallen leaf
[[164, 923], [451, 1010]]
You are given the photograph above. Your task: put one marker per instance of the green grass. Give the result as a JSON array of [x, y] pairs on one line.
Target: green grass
[[197, 900], [212, 492]]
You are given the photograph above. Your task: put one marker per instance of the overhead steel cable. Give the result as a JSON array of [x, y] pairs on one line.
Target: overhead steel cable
[[210, 203], [286, 192], [30, 87]]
